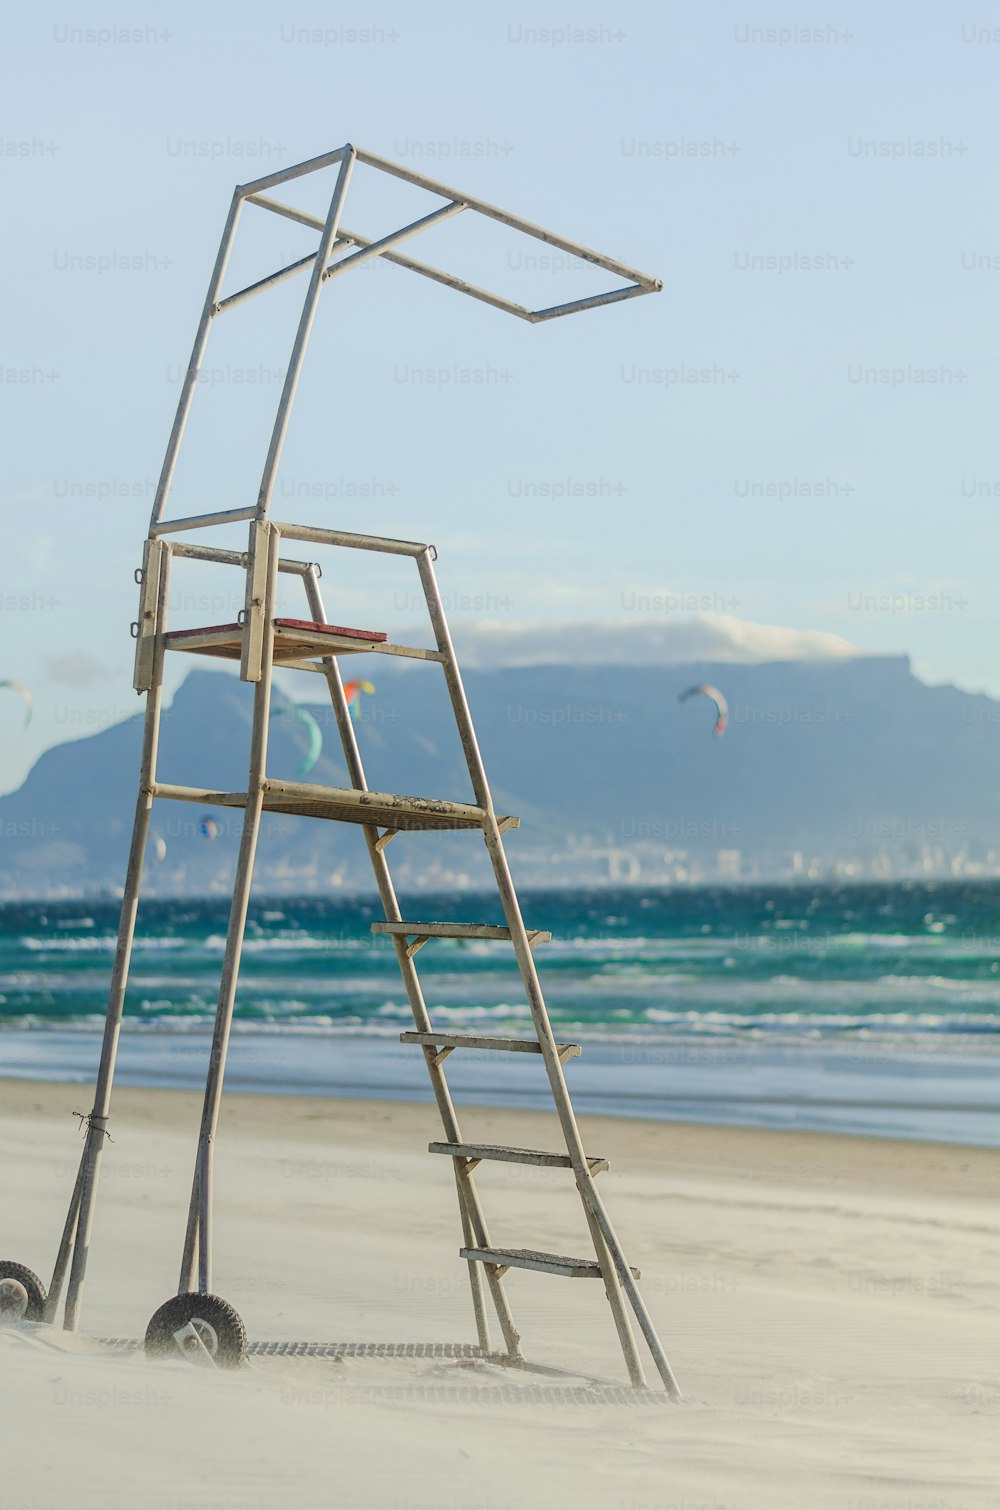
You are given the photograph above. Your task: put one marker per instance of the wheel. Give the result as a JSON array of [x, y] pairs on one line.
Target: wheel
[[217, 1323], [22, 1294]]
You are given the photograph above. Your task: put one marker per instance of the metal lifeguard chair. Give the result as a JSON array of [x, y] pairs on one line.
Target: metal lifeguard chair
[[196, 1320]]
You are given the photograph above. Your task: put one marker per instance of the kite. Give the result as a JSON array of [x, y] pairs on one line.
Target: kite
[[294, 710], [353, 691], [28, 700], [208, 828], [721, 706]]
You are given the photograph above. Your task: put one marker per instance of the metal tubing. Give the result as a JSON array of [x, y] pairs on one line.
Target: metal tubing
[[469, 1205], [201, 1184], [449, 280], [205, 1205], [65, 1245], [291, 213], [253, 289], [198, 794], [194, 366], [640, 283], [436, 274], [327, 240], [614, 297], [201, 521], [666, 1373], [98, 1119], [311, 165], [317, 536], [476, 1285], [231, 558], [529, 976], [516, 223], [189, 1253], [376, 248]]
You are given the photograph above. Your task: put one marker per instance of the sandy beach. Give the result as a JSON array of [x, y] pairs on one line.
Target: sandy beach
[[828, 1303]]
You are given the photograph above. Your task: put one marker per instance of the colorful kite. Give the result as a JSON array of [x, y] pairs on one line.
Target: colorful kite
[[721, 706], [28, 700], [353, 691], [294, 710]]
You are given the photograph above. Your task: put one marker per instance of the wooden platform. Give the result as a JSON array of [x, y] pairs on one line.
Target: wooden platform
[[388, 810], [294, 639]]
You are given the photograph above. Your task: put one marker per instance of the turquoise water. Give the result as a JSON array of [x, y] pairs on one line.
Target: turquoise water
[[914, 961], [864, 1009]]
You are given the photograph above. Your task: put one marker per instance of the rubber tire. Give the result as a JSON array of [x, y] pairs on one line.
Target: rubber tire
[[220, 1315], [33, 1285]]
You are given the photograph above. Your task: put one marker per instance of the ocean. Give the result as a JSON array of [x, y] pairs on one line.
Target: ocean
[[861, 1008]]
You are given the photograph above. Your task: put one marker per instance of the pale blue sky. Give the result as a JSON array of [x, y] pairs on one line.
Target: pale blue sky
[[128, 148]]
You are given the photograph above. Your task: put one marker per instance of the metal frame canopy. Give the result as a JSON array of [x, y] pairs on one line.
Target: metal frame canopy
[[324, 265]]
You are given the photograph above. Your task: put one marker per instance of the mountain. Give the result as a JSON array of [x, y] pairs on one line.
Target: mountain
[[850, 764]]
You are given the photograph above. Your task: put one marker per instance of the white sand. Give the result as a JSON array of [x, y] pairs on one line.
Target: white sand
[[830, 1306]]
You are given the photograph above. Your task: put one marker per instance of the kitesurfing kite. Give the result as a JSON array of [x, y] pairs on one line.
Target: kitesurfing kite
[[158, 846], [208, 828], [28, 701], [721, 706], [294, 710], [353, 691]]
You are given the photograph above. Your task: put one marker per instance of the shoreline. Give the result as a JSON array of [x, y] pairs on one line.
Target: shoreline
[[718, 1146], [873, 1089]]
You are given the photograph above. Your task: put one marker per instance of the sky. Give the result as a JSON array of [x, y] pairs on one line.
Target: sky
[[798, 432]]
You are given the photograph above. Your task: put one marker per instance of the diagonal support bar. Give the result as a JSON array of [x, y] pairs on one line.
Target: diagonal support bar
[[377, 248], [425, 270], [306, 319], [194, 365]]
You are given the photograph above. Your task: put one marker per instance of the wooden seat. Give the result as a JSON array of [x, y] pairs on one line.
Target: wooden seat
[[294, 639]]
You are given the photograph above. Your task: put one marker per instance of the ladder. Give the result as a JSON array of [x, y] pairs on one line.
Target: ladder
[[195, 1321]]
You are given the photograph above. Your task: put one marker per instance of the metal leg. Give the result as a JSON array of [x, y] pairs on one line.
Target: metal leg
[[606, 1247], [189, 1259], [65, 1247], [198, 1237], [475, 1271], [602, 1220], [560, 1095], [77, 1230], [205, 1173]]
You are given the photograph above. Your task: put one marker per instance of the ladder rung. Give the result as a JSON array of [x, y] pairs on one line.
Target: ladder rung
[[343, 804], [475, 1041], [506, 1155], [460, 931], [545, 1263]]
